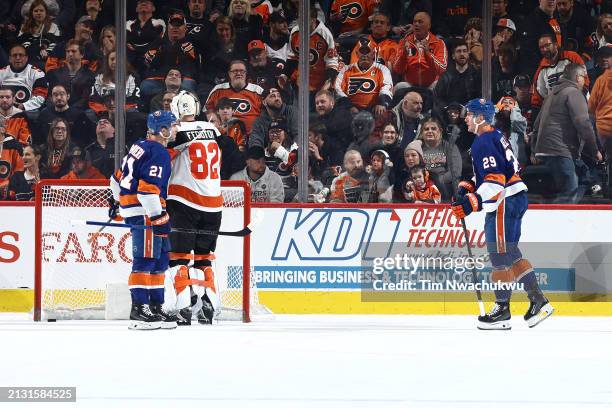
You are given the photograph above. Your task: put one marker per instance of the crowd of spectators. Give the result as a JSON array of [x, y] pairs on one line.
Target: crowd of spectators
[[388, 81]]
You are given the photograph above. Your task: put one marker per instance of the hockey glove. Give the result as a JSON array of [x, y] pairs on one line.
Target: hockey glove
[[465, 186], [161, 224], [466, 205], [113, 210]]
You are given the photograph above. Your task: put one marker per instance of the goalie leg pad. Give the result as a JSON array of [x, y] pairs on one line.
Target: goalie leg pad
[[177, 295], [521, 268]]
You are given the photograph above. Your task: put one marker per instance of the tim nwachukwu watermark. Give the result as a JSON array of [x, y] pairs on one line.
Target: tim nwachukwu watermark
[[405, 273]]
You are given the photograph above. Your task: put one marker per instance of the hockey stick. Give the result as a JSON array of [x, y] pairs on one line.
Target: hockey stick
[[241, 233], [467, 245], [90, 240]]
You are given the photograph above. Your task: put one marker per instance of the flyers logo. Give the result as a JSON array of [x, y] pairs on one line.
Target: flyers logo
[[241, 105], [350, 11], [5, 169], [364, 85], [314, 57], [553, 79], [22, 94]]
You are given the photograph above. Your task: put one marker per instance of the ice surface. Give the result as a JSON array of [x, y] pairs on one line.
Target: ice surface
[[316, 361]]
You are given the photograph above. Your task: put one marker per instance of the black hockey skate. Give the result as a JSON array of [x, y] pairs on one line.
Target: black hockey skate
[[206, 313], [539, 309], [141, 318], [496, 319], [168, 321], [184, 317]]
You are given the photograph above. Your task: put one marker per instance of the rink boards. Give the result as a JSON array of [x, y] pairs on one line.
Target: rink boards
[[308, 259]]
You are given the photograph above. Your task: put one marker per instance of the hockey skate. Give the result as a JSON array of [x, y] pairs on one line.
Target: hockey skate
[[539, 309], [141, 318], [184, 317], [168, 321], [496, 319], [206, 312]]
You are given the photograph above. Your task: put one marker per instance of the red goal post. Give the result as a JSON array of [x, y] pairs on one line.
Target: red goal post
[[73, 263]]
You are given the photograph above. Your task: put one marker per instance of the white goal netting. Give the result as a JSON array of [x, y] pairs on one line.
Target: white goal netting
[[79, 263]]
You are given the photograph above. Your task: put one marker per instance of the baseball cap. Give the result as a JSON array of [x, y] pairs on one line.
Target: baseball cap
[[86, 20], [255, 152], [521, 81], [279, 123], [507, 23], [176, 18], [256, 45], [277, 17], [79, 153], [604, 52], [364, 45]]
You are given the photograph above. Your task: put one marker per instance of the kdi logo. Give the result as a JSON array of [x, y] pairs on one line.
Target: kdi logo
[[333, 234]]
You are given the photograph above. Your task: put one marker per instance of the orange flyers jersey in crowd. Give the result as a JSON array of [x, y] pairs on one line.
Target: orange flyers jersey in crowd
[[548, 74], [353, 13], [363, 88], [10, 162], [386, 50], [418, 67], [323, 54], [264, 9], [196, 167], [247, 101], [17, 126], [430, 194]]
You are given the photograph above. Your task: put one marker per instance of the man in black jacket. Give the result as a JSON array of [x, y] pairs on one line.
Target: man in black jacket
[[275, 108], [461, 82], [539, 22], [336, 117]]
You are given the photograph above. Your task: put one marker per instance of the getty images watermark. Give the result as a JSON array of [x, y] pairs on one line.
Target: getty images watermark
[[405, 273]]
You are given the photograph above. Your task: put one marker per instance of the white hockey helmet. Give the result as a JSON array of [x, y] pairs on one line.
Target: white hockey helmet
[[185, 104]]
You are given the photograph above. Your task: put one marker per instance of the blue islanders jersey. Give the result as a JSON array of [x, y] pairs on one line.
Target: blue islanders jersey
[[142, 182], [495, 168]]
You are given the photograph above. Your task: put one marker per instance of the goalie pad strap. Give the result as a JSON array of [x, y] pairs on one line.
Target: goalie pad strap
[[521, 268], [204, 257], [503, 275]]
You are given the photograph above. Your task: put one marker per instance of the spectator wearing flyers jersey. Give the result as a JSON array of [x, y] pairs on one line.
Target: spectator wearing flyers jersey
[[245, 96], [277, 37], [28, 82], [323, 56], [350, 16], [367, 84], [10, 158], [553, 62], [422, 56]]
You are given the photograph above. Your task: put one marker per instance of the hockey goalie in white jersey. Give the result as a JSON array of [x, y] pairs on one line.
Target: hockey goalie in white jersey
[[194, 202]]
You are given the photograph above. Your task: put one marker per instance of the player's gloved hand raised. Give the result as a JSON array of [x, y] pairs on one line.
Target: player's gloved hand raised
[[465, 187], [464, 206], [161, 224], [113, 210]]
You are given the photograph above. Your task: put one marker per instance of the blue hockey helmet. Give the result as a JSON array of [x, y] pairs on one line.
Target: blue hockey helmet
[[158, 120], [482, 107]]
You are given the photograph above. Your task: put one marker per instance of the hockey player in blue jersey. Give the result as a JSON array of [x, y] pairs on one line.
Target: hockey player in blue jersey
[[500, 192], [139, 189]]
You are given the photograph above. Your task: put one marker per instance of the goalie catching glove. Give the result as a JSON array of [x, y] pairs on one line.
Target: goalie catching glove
[[467, 204], [161, 224]]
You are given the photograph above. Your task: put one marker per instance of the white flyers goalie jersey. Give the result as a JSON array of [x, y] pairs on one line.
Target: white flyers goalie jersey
[[196, 168]]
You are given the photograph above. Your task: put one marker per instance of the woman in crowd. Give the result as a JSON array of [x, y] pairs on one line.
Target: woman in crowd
[[22, 184], [216, 68], [413, 157], [39, 34], [105, 85], [107, 39], [247, 26], [442, 158], [55, 153], [390, 136]]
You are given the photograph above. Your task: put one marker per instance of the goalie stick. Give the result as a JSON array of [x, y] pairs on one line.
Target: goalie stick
[[240, 233]]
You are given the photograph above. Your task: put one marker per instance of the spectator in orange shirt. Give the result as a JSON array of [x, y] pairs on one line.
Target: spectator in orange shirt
[[386, 47], [420, 189], [422, 56], [366, 83], [81, 166], [10, 159]]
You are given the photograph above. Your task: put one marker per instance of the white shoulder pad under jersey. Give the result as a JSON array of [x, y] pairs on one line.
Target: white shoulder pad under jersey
[[196, 168]]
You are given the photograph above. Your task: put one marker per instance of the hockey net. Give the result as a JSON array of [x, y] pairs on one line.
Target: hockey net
[[79, 266]]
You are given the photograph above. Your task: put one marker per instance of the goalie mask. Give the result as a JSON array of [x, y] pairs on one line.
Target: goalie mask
[[185, 104]]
